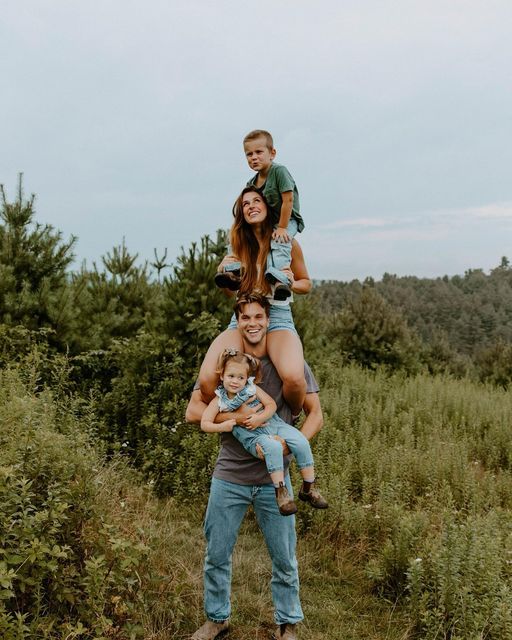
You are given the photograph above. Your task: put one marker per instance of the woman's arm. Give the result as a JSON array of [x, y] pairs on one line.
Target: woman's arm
[[258, 418], [210, 413], [298, 272]]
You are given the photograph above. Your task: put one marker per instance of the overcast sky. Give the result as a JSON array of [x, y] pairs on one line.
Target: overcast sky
[[394, 117]]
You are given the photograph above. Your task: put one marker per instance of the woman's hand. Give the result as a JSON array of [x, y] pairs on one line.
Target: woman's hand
[[301, 282], [290, 275]]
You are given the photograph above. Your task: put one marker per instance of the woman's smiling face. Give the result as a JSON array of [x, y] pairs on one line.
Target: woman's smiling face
[[253, 207]]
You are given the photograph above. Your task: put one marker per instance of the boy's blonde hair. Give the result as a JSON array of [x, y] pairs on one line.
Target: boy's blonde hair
[[234, 355], [260, 133]]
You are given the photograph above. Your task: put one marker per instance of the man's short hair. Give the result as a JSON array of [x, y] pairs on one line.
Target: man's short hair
[[260, 133], [252, 298]]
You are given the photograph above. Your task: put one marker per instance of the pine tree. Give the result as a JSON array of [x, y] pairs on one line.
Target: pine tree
[[193, 308], [34, 289], [111, 303]]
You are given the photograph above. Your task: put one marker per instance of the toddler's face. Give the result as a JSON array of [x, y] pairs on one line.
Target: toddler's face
[[234, 377], [259, 156]]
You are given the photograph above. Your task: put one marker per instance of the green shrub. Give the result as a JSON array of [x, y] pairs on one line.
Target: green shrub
[[66, 570]]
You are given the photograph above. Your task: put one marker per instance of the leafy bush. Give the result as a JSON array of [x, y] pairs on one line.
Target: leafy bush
[[66, 570]]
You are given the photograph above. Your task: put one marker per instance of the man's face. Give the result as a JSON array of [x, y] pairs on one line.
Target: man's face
[[253, 323], [259, 156]]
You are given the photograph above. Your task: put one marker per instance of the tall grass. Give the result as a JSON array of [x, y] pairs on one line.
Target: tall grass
[[418, 473]]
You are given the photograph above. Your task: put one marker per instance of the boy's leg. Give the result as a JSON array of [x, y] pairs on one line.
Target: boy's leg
[[232, 266], [279, 533], [280, 256], [229, 277], [227, 505]]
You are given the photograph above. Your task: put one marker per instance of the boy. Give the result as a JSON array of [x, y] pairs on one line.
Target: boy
[[281, 192]]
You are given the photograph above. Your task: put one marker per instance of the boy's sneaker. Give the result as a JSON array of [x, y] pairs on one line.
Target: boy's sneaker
[[282, 289], [228, 280], [211, 630], [313, 496], [286, 631], [282, 292], [285, 503]]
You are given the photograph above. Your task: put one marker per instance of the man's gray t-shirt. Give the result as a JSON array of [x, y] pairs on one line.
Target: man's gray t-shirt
[[234, 463]]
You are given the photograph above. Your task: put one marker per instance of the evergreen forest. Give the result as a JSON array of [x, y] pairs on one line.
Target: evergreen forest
[[104, 484]]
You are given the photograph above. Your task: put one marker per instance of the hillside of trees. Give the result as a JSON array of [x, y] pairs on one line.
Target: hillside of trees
[[96, 367]]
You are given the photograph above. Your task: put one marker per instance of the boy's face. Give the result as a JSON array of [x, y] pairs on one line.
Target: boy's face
[[259, 156]]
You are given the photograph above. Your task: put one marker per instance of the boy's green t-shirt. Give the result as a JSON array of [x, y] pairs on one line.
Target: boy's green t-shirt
[[279, 180]]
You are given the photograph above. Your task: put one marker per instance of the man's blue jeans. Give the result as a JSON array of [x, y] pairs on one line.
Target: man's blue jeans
[[227, 506]]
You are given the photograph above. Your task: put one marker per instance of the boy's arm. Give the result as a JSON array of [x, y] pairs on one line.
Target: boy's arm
[[281, 234]]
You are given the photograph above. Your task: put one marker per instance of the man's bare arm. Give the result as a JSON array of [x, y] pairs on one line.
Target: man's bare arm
[[314, 417]]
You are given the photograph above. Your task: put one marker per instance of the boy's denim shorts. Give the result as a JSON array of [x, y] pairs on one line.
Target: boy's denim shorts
[[280, 319]]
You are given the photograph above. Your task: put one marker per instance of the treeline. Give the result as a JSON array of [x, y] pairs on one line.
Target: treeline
[[460, 325]]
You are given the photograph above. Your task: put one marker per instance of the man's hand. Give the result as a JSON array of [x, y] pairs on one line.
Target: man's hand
[[286, 451], [280, 235]]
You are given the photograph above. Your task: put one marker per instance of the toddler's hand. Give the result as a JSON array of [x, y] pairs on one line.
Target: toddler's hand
[[253, 421], [280, 235], [245, 410]]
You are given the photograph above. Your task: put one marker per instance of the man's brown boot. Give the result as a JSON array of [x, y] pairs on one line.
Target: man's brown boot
[[211, 630], [287, 506], [286, 631], [313, 496]]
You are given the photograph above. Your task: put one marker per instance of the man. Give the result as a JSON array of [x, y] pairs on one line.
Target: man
[[240, 480]]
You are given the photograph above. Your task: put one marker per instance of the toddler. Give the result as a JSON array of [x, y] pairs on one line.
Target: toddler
[[238, 372]]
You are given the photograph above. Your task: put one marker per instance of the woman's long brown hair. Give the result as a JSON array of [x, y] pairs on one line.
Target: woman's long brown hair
[[246, 247]]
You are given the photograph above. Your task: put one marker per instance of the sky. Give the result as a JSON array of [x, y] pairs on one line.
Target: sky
[[394, 117]]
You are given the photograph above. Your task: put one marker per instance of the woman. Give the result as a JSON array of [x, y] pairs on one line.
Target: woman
[[250, 240]]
